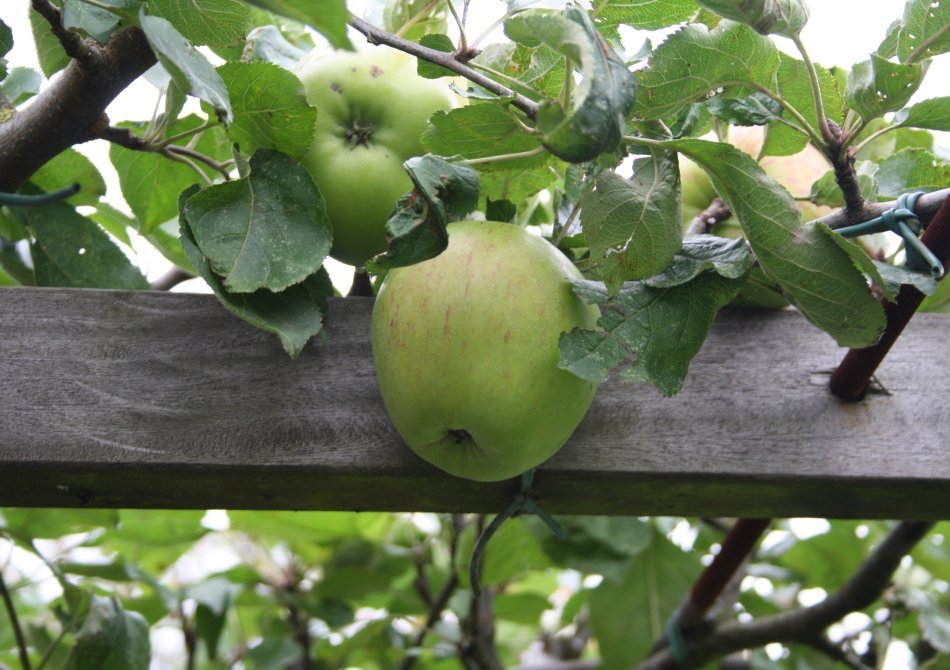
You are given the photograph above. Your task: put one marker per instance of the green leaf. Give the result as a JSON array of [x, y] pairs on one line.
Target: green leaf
[[427, 18], [273, 653], [643, 15], [443, 192], [755, 110], [768, 17], [327, 17], [511, 552], [634, 225], [54, 523], [594, 544], [439, 43], [6, 43], [629, 616], [217, 23], [814, 272], [188, 67], [95, 21], [21, 84], [67, 168], [110, 639], [49, 50], [269, 230], [523, 608], [597, 118], [114, 222], [654, 331], [894, 277], [731, 55], [925, 31], [826, 191], [294, 315], [70, 250], [878, 86], [270, 109], [214, 597], [912, 170], [480, 131], [150, 182], [729, 258], [933, 114]]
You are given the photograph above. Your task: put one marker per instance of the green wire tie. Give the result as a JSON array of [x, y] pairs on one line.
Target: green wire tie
[[904, 222], [523, 503], [21, 200], [674, 635]]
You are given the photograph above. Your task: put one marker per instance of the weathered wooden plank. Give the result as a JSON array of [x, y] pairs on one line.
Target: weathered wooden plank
[[119, 399]]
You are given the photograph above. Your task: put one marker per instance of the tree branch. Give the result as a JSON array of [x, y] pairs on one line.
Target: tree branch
[[447, 60], [71, 110], [804, 625], [704, 222], [927, 206], [15, 623], [86, 52]]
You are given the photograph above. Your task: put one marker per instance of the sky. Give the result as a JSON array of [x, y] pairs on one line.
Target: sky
[[867, 21]]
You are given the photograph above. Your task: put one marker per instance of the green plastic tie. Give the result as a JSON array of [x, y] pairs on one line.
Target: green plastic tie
[[21, 200], [523, 503], [901, 220], [674, 635]]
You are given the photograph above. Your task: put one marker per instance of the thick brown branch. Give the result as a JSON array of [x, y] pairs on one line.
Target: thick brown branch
[[704, 222], [86, 52], [927, 206], [447, 60], [71, 110], [807, 624]]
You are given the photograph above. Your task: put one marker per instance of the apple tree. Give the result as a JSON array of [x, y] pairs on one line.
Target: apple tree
[[593, 125]]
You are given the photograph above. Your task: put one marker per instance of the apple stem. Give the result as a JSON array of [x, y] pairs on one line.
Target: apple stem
[[523, 503]]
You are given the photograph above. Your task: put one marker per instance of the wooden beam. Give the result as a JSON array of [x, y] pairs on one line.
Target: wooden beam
[[160, 400]]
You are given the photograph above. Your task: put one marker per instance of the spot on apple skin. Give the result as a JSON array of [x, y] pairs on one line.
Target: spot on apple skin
[[507, 335], [445, 325]]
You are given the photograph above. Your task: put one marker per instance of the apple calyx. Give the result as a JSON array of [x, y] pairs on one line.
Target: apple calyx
[[359, 133]]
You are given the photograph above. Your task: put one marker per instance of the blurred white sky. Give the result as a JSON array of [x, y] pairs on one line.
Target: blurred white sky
[[866, 22]]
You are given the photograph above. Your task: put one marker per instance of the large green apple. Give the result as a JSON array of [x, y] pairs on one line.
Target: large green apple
[[466, 351], [372, 109]]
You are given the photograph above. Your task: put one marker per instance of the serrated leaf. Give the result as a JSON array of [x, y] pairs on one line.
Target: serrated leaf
[[22, 83], [327, 17], [933, 114], [67, 168], [633, 226], [187, 66], [217, 23], [895, 276], [438, 42], [537, 71], [888, 46], [110, 638], [860, 258], [151, 183], [95, 21], [877, 86], [925, 31], [70, 250], [270, 108], [910, 170], [643, 15], [442, 192], [755, 110], [653, 331], [267, 231], [815, 274], [629, 616], [49, 50], [478, 131], [294, 315], [695, 61], [727, 257], [597, 118], [768, 17]]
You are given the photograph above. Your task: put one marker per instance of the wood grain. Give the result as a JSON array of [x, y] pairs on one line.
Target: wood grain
[[159, 400]]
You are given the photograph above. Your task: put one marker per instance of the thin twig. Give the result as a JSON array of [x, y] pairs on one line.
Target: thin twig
[[86, 52], [15, 622], [446, 59]]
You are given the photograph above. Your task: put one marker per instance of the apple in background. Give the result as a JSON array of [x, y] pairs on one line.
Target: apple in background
[[796, 173], [372, 109], [466, 352]]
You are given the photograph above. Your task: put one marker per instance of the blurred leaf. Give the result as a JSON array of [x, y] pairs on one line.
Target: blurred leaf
[[67, 168], [110, 639], [510, 552], [427, 17], [732, 54], [807, 264], [97, 22], [54, 523], [826, 191], [113, 221], [270, 109], [273, 654], [217, 23], [327, 17], [523, 608], [268, 44], [480, 131], [187, 66], [629, 616], [594, 544], [925, 25], [768, 17], [49, 51], [643, 15], [21, 84], [161, 527], [912, 170]]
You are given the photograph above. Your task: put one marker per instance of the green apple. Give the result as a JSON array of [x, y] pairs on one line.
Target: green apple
[[372, 109], [466, 352]]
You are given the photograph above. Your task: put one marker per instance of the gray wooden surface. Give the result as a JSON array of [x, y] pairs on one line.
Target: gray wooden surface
[[118, 399]]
